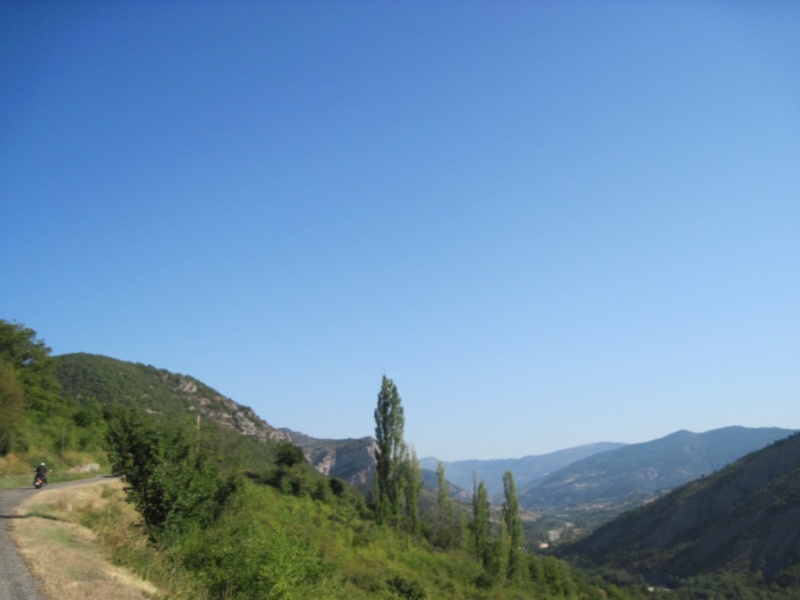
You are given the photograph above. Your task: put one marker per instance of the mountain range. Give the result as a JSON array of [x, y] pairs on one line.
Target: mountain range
[[526, 470], [632, 475], [743, 518]]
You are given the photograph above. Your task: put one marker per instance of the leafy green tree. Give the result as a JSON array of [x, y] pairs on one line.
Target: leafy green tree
[[513, 524], [289, 454], [412, 484], [293, 475], [448, 524], [498, 553], [442, 525], [557, 577], [34, 368], [481, 524], [389, 424], [171, 484], [12, 408]]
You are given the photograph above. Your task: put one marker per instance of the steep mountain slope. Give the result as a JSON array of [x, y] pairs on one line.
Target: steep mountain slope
[[110, 381], [744, 518], [628, 476], [352, 460], [525, 470]]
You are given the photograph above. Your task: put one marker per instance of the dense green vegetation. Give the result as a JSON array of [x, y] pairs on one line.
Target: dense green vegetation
[[38, 422], [171, 482], [101, 382], [225, 531]]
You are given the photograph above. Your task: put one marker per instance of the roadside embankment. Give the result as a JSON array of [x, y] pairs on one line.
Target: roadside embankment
[[60, 558]]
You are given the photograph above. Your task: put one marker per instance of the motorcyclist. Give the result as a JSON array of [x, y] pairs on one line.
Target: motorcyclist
[[41, 473]]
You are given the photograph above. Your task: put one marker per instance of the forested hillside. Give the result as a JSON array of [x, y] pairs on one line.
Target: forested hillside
[[89, 378]]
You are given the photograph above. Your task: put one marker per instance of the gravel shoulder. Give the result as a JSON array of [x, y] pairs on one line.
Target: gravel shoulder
[[16, 581]]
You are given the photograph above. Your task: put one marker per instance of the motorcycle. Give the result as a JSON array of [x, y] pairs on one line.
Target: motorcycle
[[38, 482]]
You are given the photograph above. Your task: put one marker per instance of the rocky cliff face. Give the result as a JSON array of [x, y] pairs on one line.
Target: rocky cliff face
[[242, 419], [352, 460], [209, 404]]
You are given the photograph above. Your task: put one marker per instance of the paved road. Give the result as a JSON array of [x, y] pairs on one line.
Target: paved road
[[16, 582]]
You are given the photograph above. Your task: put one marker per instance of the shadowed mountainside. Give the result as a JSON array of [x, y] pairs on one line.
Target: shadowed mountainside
[[742, 518], [629, 476]]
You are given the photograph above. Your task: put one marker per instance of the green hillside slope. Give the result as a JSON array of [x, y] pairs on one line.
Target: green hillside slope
[[99, 381], [744, 518]]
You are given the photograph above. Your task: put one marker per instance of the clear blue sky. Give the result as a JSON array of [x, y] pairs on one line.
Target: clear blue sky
[[551, 223]]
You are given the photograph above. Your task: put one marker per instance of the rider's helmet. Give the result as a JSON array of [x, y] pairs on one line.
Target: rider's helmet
[[42, 464]]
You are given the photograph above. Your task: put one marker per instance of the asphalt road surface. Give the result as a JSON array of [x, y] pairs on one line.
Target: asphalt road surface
[[16, 582]]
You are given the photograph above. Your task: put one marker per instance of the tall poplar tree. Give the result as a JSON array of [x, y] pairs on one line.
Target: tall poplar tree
[[389, 424], [412, 483], [482, 524], [448, 524], [442, 524], [513, 523]]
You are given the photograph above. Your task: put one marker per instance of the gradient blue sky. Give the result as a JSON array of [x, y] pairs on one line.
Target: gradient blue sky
[[551, 223]]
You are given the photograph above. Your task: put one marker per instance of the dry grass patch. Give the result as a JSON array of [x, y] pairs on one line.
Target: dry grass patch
[[66, 556]]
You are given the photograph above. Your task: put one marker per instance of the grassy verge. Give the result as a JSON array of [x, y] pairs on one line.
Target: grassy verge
[[74, 561]]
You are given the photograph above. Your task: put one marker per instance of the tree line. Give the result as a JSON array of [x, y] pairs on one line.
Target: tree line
[[398, 480]]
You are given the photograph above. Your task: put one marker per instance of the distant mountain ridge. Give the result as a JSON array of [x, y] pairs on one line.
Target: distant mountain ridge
[[742, 518], [633, 474], [526, 470]]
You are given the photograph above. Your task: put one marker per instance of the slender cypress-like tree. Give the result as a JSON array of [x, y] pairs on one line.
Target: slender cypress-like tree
[[412, 483], [482, 524], [389, 423], [498, 554], [442, 524], [513, 523], [448, 524]]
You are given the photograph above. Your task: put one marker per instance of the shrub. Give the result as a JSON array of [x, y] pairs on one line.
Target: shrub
[[170, 484], [405, 588]]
